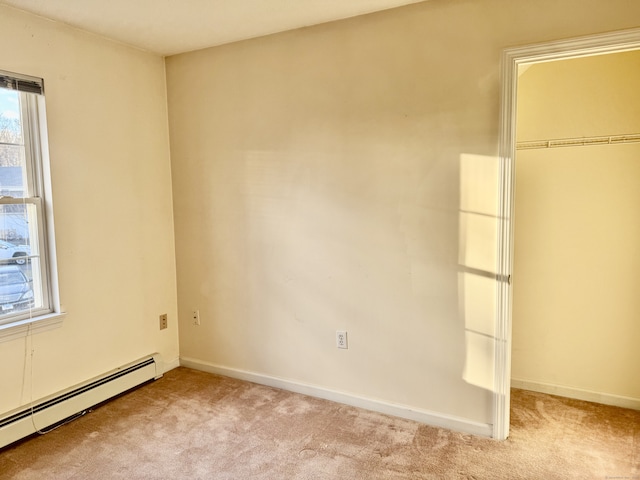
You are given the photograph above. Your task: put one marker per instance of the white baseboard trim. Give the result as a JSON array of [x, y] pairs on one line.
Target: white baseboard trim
[[403, 411], [577, 393], [175, 363]]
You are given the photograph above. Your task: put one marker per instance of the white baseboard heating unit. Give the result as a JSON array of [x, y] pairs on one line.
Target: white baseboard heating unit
[[49, 411]]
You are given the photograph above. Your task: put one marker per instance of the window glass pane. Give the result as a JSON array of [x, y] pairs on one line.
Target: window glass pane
[[13, 172], [21, 286], [10, 121], [18, 230], [16, 290]]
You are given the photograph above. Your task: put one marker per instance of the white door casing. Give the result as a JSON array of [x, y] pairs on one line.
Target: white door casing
[[512, 59]]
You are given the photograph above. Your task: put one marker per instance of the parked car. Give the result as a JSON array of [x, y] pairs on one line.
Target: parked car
[[14, 252], [16, 291]]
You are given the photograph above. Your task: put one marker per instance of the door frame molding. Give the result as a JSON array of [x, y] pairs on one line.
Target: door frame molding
[[512, 58]]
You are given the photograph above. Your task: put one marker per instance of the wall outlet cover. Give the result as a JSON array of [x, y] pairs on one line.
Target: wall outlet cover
[[341, 339]]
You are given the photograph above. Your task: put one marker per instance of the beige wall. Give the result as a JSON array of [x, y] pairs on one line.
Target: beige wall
[[108, 136], [577, 261], [316, 178]]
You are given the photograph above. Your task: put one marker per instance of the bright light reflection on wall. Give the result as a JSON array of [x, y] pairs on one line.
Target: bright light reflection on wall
[[477, 260]]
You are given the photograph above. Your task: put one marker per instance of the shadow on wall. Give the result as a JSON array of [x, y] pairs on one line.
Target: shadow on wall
[[477, 265]]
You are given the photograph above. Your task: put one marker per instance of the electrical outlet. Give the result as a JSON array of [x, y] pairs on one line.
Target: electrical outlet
[[196, 317], [341, 339], [163, 321]]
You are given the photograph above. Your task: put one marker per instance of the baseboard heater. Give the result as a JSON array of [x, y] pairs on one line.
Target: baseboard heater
[[49, 411]]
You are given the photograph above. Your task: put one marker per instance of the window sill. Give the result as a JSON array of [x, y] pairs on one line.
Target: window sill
[[22, 328]]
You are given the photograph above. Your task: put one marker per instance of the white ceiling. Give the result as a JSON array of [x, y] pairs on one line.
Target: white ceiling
[[167, 27]]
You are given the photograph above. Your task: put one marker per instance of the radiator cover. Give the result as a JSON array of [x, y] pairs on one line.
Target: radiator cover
[[48, 411]]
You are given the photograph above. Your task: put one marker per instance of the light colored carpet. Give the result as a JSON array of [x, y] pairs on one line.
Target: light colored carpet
[[194, 425]]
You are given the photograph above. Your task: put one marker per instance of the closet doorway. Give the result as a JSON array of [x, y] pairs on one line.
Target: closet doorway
[[576, 271], [518, 61]]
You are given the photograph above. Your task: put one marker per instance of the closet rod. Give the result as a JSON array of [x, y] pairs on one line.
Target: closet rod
[[579, 142]]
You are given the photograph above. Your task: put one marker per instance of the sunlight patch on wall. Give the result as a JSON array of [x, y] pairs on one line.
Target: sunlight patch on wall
[[477, 261]]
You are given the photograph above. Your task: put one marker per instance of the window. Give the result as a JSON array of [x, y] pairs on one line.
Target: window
[[27, 258]]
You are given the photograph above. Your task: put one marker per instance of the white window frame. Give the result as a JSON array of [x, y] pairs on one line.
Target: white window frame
[[38, 194]]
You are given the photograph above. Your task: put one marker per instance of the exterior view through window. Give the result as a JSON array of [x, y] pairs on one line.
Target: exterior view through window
[[25, 271]]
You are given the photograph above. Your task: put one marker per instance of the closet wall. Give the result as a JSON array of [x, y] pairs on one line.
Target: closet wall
[[577, 260]]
